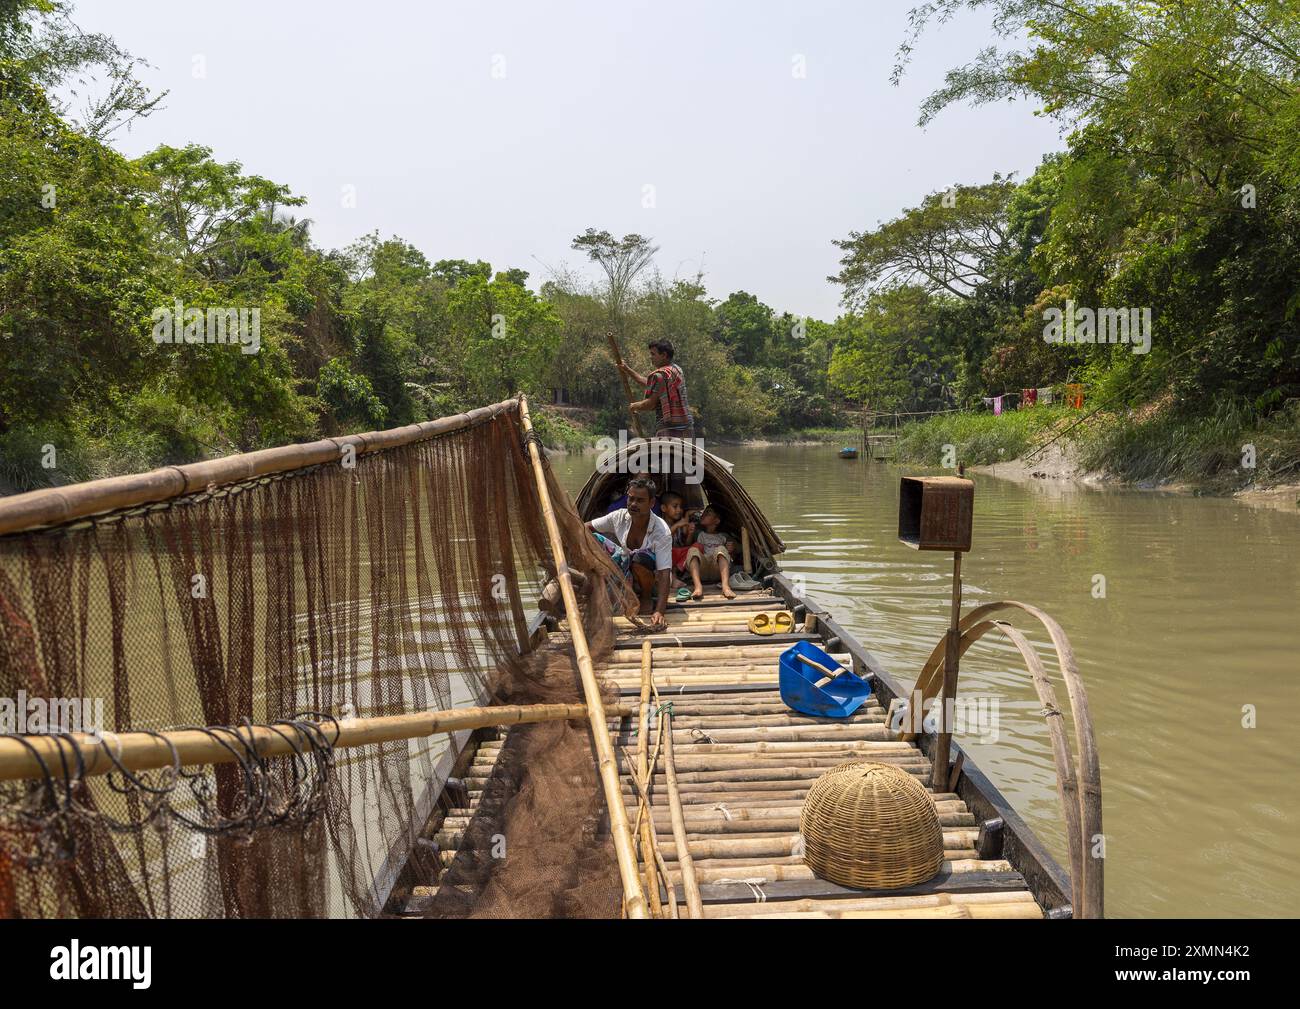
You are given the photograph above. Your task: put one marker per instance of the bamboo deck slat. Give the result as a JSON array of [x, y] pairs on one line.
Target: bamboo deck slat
[[744, 763]]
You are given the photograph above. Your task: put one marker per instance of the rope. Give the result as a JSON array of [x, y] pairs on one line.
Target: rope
[[755, 886], [46, 810], [531, 437]]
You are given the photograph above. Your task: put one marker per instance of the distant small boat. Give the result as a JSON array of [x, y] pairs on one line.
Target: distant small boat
[[848, 452]]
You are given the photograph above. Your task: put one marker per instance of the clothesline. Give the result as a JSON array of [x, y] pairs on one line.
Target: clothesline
[[1041, 396]]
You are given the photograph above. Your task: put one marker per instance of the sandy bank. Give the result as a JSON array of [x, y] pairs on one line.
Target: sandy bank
[[1056, 465]]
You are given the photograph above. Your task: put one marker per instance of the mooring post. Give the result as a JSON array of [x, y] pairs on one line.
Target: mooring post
[[947, 699]]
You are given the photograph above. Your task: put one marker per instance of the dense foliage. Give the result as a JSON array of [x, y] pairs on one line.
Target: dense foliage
[[1178, 190]]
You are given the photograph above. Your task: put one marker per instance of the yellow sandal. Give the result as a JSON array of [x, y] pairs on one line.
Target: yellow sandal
[[761, 623]]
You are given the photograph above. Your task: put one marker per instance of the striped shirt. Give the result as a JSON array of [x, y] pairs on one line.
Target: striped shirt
[[669, 384]]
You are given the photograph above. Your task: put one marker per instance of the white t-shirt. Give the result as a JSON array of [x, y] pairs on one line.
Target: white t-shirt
[[617, 524]]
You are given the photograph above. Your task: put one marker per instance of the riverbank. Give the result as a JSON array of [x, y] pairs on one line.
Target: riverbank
[[1226, 453], [569, 429], [809, 436]]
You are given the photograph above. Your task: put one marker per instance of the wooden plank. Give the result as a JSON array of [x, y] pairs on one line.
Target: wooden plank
[[742, 601], [713, 640], [821, 889]]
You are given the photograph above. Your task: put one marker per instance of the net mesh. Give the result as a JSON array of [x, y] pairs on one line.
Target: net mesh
[[399, 583]]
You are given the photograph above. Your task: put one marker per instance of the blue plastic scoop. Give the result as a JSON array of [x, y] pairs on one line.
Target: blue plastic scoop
[[815, 684]]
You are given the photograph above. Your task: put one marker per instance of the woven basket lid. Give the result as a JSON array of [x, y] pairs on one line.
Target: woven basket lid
[[871, 826]]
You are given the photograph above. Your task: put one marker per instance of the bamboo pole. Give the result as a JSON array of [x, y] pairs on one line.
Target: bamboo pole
[[142, 751], [668, 885], [655, 867], [627, 385], [952, 658], [53, 505], [694, 905], [633, 898], [643, 775], [650, 777]]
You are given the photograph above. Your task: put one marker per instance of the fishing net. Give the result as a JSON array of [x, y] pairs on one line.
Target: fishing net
[[299, 600]]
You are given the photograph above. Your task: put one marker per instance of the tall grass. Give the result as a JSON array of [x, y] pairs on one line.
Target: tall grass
[[1210, 449], [979, 438]]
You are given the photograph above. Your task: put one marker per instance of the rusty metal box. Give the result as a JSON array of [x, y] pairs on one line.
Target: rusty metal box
[[936, 512]]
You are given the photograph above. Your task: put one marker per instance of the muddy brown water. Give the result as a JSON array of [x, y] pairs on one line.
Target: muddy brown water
[[1185, 616]]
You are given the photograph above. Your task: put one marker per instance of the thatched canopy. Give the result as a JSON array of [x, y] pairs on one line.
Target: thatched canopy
[[699, 476]]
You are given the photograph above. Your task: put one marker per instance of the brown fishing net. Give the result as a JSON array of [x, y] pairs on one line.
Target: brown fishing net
[[401, 583]]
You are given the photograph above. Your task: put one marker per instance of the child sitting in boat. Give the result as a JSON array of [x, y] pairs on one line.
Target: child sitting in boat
[[672, 506], [709, 556]]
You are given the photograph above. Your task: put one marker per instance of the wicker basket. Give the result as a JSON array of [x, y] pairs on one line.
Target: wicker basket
[[871, 826]]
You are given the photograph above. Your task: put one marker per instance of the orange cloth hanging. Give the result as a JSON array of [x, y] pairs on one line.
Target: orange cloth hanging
[[1074, 395]]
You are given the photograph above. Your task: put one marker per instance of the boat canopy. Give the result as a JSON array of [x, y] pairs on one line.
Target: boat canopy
[[682, 466]]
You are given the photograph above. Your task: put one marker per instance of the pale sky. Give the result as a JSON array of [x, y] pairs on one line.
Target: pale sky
[[499, 131]]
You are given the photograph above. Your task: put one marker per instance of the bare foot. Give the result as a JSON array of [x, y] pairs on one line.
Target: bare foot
[[697, 595], [727, 593]]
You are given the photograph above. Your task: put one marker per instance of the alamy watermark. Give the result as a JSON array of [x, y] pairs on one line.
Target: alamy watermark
[[179, 324], [75, 962], [656, 455], [31, 716], [1104, 325], [975, 715]]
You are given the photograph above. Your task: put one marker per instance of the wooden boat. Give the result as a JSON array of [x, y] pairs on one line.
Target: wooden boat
[[724, 819], [713, 816], [848, 452]]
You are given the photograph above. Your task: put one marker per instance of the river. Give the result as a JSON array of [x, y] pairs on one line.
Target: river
[[1193, 635]]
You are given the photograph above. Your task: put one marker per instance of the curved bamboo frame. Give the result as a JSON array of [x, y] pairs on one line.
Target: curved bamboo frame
[[1078, 783]]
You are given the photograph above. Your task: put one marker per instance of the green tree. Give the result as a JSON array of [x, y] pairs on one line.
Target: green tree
[[623, 260], [893, 355]]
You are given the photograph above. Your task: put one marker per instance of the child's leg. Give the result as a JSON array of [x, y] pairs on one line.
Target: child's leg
[[694, 564], [724, 576]]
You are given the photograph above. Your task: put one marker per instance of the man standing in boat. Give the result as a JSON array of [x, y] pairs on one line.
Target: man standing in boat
[[639, 542], [665, 392]]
